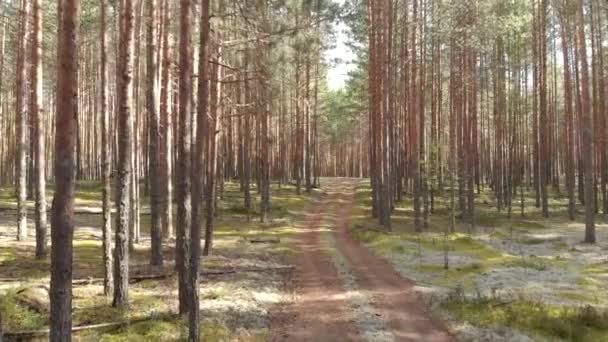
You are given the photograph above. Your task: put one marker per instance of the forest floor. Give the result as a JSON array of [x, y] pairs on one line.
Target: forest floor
[[306, 276], [242, 283], [343, 292], [524, 278]]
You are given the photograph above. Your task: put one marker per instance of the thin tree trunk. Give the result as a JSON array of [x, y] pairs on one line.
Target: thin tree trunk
[[156, 255], [197, 172], [38, 117], [21, 110], [166, 126], [587, 128], [106, 160], [211, 152], [184, 212], [125, 154]]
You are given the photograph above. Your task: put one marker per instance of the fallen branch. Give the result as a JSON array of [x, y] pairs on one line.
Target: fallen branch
[[265, 240], [503, 303], [139, 278], [18, 335]]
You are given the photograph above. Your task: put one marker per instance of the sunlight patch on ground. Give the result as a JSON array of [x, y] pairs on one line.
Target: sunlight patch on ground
[[517, 259]]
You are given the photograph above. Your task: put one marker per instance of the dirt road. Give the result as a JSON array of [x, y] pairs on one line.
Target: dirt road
[[343, 292]]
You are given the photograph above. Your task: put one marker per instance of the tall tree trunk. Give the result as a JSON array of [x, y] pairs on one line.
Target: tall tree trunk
[[125, 154], [211, 153], [106, 159], [21, 110], [543, 156], [197, 173], [156, 254], [166, 127], [587, 128], [38, 117], [264, 110], [62, 221], [184, 212], [569, 118]]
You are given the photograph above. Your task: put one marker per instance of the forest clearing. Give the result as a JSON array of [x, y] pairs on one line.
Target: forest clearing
[[303, 170]]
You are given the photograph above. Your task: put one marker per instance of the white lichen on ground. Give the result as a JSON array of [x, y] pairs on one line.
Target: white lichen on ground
[[235, 305], [547, 264]]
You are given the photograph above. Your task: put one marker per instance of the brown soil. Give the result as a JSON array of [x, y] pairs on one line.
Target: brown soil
[[321, 312]]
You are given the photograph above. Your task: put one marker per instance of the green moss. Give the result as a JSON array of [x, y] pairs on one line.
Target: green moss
[[576, 296], [215, 292], [588, 281], [20, 263], [16, 317], [283, 249], [382, 242], [529, 224], [538, 319], [537, 264], [214, 331], [532, 241], [489, 218], [91, 308], [408, 242], [448, 277], [600, 268], [459, 243], [153, 330], [7, 254], [560, 244]]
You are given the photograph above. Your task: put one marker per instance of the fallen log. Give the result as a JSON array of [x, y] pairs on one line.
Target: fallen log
[[19, 335], [139, 278], [264, 240]]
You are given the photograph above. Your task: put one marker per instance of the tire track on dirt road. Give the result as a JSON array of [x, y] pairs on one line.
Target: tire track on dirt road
[[324, 310], [320, 312]]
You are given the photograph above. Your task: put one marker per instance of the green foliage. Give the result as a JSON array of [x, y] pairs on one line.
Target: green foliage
[[585, 323], [458, 274], [16, 317], [153, 330]]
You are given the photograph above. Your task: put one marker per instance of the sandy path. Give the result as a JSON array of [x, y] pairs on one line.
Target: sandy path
[[322, 311], [392, 296]]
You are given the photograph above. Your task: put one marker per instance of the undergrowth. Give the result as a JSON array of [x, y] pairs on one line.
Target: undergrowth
[[571, 323]]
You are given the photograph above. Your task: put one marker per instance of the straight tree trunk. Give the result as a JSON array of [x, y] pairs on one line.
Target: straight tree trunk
[[211, 153], [166, 126], [543, 132], [62, 221], [38, 117], [184, 212], [21, 110], [569, 115], [106, 160], [125, 146], [587, 128], [197, 179], [156, 254]]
